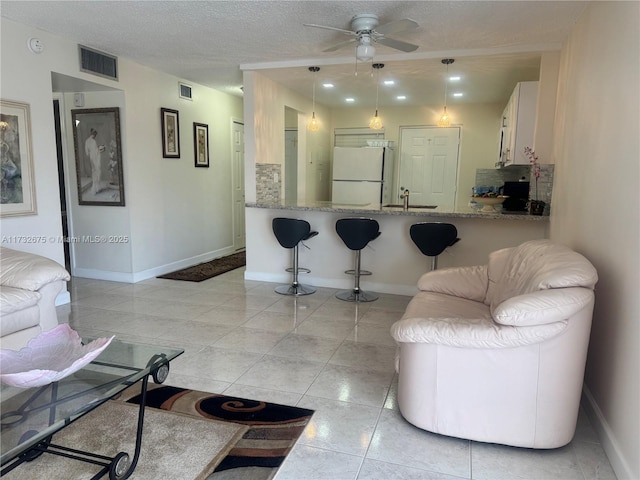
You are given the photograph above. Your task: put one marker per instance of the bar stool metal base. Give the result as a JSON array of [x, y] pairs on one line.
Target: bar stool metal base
[[357, 296], [297, 290]]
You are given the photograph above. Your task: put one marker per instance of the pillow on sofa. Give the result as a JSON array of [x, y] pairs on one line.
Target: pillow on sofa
[[28, 271], [542, 265], [540, 308]]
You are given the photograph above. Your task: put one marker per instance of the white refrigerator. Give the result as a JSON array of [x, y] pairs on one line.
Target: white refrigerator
[[362, 175]]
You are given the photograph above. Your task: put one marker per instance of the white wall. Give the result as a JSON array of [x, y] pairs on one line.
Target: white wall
[[175, 214], [596, 209], [25, 77], [91, 220]]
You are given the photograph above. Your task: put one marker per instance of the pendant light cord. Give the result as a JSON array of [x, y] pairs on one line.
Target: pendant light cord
[[313, 108], [446, 61], [377, 88]]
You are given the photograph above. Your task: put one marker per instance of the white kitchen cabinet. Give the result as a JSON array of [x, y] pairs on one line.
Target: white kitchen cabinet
[[518, 124]]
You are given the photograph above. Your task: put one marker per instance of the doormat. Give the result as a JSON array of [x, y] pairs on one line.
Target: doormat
[[207, 270], [272, 428]]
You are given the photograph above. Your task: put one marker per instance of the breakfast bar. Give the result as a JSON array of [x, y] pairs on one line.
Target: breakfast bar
[[394, 260]]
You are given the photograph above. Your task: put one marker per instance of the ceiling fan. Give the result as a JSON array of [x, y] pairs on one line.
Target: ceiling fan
[[365, 30]]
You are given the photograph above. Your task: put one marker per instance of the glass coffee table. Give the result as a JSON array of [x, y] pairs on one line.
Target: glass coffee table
[[31, 416]]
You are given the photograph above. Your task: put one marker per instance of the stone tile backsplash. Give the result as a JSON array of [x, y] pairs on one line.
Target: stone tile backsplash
[[492, 177], [268, 190]]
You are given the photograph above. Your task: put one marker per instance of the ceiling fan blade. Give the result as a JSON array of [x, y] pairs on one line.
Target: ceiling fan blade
[[396, 27], [339, 45], [347, 32], [397, 44]]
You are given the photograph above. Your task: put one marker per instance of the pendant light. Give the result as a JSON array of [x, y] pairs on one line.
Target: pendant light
[[376, 123], [445, 120], [314, 125]]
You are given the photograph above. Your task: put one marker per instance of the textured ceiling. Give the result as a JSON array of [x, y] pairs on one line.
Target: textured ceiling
[[207, 42]]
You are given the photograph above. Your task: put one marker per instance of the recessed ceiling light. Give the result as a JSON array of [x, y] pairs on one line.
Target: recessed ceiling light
[[401, 97], [458, 94], [328, 85], [454, 79], [389, 82], [349, 99]]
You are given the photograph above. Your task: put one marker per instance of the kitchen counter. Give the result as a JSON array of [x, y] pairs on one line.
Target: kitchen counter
[[368, 209], [393, 258]]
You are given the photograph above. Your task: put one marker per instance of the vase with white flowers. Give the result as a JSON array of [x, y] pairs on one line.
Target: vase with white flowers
[[536, 207]]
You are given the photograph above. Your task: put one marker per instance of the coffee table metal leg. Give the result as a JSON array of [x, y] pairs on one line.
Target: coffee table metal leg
[[119, 470], [113, 473]]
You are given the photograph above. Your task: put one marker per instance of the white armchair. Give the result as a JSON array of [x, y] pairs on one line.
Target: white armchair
[[496, 353]]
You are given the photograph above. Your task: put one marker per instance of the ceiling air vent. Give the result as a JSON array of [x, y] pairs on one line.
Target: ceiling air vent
[[98, 63], [185, 91]]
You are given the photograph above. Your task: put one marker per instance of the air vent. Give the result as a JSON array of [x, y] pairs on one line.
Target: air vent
[[98, 63], [185, 91]]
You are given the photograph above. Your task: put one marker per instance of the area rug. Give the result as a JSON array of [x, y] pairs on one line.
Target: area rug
[[207, 270], [272, 428], [173, 445]]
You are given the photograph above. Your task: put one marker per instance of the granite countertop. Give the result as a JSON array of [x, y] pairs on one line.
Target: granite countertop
[[465, 212]]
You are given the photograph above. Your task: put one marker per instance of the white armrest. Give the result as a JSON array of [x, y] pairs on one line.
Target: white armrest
[[28, 271], [463, 282]]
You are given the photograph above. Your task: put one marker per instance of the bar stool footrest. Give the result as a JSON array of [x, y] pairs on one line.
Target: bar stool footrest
[[300, 270], [362, 272]]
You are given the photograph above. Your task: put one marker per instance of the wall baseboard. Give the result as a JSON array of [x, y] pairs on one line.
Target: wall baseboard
[[607, 437], [134, 277]]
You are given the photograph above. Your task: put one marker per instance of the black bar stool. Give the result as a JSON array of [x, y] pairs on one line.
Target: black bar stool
[[432, 238], [290, 232], [356, 233]]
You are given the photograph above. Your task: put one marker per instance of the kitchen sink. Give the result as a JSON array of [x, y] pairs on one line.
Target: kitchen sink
[[397, 205]]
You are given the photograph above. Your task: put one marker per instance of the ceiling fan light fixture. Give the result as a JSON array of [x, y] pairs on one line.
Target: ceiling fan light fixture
[[365, 53]]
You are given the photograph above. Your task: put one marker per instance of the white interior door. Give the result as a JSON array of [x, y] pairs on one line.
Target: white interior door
[[429, 164], [239, 232]]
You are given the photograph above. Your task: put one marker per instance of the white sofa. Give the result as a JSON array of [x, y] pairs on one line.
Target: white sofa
[[496, 353], [29, 285]]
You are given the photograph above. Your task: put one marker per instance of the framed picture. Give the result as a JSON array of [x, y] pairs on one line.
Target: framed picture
[[17, 192], [201, 144], [98, 148], [170, 133]]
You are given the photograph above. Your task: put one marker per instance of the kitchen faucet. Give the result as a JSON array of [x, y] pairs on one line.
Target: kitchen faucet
[[405, 197]]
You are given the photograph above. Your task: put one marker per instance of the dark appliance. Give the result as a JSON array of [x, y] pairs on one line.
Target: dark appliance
[[518, 193]]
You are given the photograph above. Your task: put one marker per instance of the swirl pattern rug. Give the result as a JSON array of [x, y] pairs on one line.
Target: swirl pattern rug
[[272, 429], [206, 270]]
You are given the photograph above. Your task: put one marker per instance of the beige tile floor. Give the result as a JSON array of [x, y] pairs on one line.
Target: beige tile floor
[[243, 339]]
